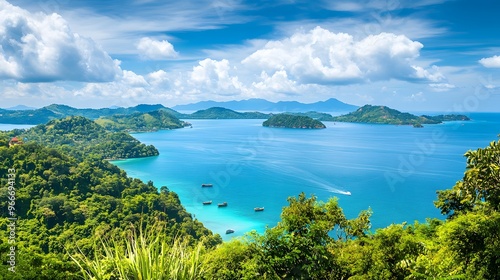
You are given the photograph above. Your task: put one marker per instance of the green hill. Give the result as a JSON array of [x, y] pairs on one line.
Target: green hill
[[80, 136], [54, 111], [386, 115], [151, 121], [293, 121], [64, 205], [223, 113]]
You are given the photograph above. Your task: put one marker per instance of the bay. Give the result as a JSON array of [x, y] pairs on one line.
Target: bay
[[394, 170]]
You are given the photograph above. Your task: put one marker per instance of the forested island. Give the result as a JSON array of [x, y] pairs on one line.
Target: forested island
[[141, 122], [386, 115], [293, 121]]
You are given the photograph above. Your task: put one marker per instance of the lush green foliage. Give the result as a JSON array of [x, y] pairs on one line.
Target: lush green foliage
[[385, 115], [63, 202], [480, 186], [150, 121], [80, 137], [143, 255], [292, 121]]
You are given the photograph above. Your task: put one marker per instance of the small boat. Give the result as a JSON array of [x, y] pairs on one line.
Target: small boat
[[258, 209], [229, 231], [347, 193], [207, 202], [207, 185], [223, 204]]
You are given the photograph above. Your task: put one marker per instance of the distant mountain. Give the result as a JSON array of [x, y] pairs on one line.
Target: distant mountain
[[330, 105], [386, 115], [223, 113], [20, 108]]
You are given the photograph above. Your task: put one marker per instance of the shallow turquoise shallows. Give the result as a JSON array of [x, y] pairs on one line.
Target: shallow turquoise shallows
[[394, 170]]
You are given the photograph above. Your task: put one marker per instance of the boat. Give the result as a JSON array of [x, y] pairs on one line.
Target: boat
[[258, 209], [229, 231], [223, 204], [207, 185], [207, 202], [347, 193]]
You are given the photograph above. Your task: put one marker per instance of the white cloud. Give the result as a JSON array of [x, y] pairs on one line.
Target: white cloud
[[158, 77], [42, 48], [323, 57], [215, 75], [156, 50], [442, 87], [491, 62], [278, 82]]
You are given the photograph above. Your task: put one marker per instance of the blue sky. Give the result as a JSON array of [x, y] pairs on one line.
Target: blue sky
[[428, 55]]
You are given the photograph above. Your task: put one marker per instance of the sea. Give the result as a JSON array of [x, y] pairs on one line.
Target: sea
[[393, 170]]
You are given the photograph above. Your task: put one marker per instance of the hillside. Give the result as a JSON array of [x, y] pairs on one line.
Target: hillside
[[223, 113], [54, 111], [140, 122], [293, 121], [81, 137], [255, 104], [64, 204], [386, 115]]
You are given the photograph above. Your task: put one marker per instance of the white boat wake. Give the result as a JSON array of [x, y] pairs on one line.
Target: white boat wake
[[313, 180]]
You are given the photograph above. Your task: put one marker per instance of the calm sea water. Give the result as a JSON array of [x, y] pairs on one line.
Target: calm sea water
[[394, 170]]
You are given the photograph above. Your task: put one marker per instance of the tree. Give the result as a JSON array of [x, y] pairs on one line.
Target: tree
[[480, 186], [297, 248]]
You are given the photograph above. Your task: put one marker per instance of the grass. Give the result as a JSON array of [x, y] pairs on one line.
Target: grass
[[144, 255]]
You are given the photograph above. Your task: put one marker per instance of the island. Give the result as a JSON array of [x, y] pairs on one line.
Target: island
[[293, 121], [142, 122], [386, 115], [82, 137]]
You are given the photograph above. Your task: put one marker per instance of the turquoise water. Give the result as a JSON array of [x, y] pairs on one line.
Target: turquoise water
[[395, 170]]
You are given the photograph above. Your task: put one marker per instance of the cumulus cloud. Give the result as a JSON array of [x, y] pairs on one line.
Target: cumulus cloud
[[214, 74], [42, 48], [490, 62], [278, 82], [323, 57], [156, 50]]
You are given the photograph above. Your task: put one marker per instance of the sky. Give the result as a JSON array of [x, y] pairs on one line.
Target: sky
[[421, 55]]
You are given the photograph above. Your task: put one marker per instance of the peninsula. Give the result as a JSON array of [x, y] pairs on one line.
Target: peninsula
[[293, 121]]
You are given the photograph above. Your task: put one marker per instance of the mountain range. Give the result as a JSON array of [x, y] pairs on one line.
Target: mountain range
[[262, 105]]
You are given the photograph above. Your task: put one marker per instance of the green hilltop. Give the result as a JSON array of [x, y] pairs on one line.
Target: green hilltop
[[293, 121], [80, 136], [139, 122], [386, 115]]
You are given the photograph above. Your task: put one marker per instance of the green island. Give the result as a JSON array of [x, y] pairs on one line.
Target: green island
[[386, 115], [141, 122], [293, 121], [80, 217]]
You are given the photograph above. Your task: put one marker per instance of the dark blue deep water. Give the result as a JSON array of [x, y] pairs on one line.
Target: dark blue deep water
[[394, 170]]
